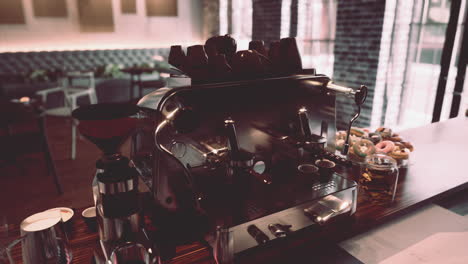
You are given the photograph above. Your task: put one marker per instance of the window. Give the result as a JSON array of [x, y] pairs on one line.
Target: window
[[429, 24], [316, 34], [428, 29], [241, 17], [242, 22]]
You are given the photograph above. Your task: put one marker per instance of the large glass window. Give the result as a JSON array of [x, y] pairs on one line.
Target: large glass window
[[316, 33], [428, 29], [417, 39], [242, 22], [316, 21]]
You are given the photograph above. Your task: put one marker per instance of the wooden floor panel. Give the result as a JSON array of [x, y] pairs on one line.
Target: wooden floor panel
[[25, 188]]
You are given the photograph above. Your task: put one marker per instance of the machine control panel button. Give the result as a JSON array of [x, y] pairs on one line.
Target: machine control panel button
[[279, 230], [257, 234]]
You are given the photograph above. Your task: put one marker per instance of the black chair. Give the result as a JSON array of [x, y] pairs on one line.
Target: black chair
[[23, 130]]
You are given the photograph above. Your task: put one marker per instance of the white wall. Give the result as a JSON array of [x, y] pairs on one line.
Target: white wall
[[131, 30]]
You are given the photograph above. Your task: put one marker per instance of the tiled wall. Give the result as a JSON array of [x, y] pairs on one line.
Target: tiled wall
[[363, 45], [210, 18], [266, 20], [293, 19], [370, 49], [359, 28]]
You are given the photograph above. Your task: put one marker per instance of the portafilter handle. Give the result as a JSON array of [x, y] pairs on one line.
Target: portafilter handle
[[359, 98], [304, 124], [234, 150], [243, 160]]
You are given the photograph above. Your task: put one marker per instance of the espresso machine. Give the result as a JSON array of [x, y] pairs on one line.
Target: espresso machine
[[244, 162]]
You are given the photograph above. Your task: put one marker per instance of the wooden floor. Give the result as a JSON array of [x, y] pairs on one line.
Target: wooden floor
[[27, 188]]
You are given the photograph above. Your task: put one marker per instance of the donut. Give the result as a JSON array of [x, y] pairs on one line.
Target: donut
[[339, 144], [385, 146], [399, 145], [341, 134], [408, 145], [380, 129], [354, 156], [363, 148], [400, 153], [384, 132], [357, 132], [353, 139], [395, 138], [374, 137]]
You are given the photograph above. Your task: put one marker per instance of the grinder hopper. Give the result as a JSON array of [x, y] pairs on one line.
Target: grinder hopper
[[107, 125], [115, 186]]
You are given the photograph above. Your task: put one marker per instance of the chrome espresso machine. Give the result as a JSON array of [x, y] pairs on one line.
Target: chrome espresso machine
[[243, 163]]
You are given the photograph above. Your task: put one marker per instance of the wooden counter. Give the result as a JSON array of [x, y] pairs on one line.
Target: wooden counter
[[437, 169]]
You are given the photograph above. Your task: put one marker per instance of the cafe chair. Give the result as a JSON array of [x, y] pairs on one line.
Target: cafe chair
[[74, 85], [22, 131], [151, 84]]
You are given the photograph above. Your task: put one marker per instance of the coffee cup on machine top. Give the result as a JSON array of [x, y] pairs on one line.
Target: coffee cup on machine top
[[325, 167], [290, 57], [177, 57], [221, 45], [249, 64], [259, 46]]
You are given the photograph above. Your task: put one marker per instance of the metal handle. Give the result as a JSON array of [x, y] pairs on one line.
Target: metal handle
[[304, 124], [8, 248], [224, 246], [339, 88], [324, 129], [229, 124], [346, 144], [359, 98], [360, 94], [257, 234]]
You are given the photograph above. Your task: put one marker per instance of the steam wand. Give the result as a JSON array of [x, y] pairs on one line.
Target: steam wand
[[359, 98]]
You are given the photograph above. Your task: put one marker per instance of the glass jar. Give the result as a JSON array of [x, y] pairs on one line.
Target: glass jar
[[224, 246], [379, 177]]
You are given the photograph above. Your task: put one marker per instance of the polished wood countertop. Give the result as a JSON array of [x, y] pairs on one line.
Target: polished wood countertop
[[438, 168]]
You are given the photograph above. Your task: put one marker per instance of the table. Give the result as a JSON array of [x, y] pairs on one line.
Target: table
[[136, 72], [135, 77], [437, 169]]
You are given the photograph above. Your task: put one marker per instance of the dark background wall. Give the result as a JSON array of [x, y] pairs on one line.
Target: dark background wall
[[266, 23], [359, 28], [294, 17]]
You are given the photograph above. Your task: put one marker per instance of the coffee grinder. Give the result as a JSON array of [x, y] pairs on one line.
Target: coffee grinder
[[115, 185]]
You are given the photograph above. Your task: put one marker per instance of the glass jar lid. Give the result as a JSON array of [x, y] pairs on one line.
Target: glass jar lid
[[380, 160]]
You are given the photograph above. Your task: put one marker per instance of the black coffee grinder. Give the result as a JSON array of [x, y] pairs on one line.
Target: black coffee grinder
[[115, 185]]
